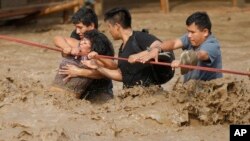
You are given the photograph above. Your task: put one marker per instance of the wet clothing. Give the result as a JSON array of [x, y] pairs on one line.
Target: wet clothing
[[93, 89], [102, 86], [212, 47], [76, 85], [136, 73]]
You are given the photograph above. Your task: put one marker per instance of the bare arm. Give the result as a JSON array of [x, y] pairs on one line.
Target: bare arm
[[202, 55], [169, 45], [74, 71], [139, 57], [111, 74], [90, 73], [107, 63], [114, 74], [68, 45], [155, 48]]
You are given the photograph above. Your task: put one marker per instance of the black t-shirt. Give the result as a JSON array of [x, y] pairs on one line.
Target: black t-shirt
[[105, 83], [137, 73], [75, 35]]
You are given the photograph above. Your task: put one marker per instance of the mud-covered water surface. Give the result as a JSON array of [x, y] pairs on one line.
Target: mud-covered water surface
[[30, 112], [196, 110]]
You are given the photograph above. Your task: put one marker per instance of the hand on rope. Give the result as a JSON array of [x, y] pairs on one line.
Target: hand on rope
[[92, 55]]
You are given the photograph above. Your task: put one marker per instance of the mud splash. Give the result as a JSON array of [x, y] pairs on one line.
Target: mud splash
[[32, 112], [215, 102]]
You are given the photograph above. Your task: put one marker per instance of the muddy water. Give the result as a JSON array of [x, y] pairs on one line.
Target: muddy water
[[30, 112], [193, 111]]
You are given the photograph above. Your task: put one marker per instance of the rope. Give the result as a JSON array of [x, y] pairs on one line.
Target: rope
[[33, 44], [184, 66]]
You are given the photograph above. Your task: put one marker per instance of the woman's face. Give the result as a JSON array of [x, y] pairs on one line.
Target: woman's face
[[85, 46]]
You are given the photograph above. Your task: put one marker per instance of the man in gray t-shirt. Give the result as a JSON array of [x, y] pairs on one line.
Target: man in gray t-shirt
[[212, 48], [199, 39]]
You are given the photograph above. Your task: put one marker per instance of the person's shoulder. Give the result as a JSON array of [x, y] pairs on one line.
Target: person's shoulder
[[212, 39], [74, 35], [103, 35], [142, 34], [211, 42], [143, 31]]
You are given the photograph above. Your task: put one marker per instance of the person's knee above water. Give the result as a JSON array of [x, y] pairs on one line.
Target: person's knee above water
[[118, 21], [199, 38]]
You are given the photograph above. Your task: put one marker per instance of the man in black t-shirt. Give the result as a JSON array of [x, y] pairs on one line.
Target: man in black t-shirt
[[118, 21], [96, 87]]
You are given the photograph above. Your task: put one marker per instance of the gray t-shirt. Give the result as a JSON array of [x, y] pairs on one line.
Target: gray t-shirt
[[212, 47]]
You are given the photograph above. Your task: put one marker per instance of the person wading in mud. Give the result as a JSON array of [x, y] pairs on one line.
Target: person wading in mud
[[97, 87], [200, 47], [118, 21]]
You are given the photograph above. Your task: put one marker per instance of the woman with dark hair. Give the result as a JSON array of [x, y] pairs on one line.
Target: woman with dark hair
[[84, 20], [73, 73]]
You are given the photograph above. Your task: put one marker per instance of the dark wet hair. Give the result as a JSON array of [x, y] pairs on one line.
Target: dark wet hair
[[86, 16], [119, 15], [201, 20], [99, 42]]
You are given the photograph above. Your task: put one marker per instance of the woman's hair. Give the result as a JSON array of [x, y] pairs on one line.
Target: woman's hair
[[99, 42]]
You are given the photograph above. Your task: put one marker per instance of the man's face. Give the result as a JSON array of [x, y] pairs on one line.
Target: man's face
[[195, 36], [81, 29], [85, 46], [113, 30]]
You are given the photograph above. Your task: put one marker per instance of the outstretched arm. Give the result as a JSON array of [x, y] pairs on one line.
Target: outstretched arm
[[68, 45], [114, 74], [111, 74], [157, 47], [107, 63], [139, 57], [74, 71]]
